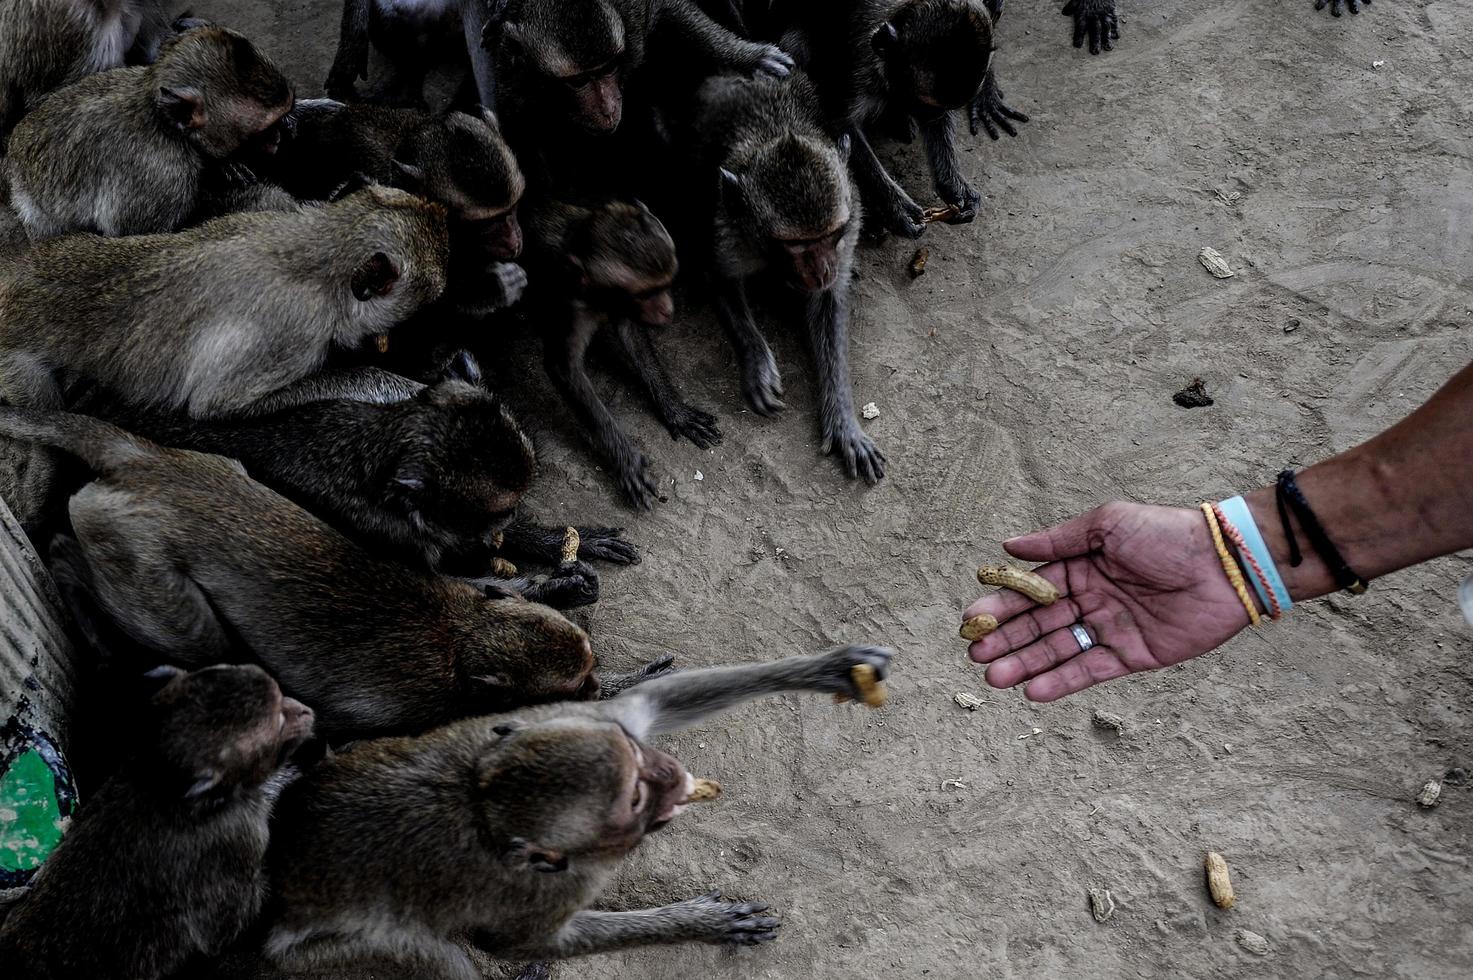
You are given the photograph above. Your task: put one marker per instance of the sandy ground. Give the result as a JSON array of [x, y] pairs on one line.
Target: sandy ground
[[1028, 376]]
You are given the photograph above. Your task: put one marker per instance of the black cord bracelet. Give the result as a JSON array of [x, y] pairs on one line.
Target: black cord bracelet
[[1289, 496]]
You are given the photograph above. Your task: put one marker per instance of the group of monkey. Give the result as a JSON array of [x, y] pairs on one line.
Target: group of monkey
[[292, 296]]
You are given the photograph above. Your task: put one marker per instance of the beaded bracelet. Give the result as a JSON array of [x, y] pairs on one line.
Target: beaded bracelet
[[1229, 566], [1261, 586]]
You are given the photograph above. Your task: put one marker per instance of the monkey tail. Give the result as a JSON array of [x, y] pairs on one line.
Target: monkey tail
[[101, 445]]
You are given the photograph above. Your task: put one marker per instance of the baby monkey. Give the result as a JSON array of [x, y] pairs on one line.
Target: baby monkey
[[612, 266], [126, 152], [507, 827], [166, 861]]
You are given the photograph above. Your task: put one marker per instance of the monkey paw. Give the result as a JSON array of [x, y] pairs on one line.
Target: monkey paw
[[965, 199], [835, 669], [773, 60], [989, 109], [613, 685], [905, 217], [607, 544], [635, 480], [1095, 18], [697, 426], [727, 923], [860, 456], [763, 385], [1335, 5], [574, 584], [510, 280]]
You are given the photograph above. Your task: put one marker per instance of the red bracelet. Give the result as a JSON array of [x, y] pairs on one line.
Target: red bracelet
[[1231, 533]]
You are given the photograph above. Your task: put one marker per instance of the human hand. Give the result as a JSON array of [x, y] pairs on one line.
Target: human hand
[[1146, 583]]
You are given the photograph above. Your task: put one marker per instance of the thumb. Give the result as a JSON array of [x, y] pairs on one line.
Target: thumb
[[1067, 540]]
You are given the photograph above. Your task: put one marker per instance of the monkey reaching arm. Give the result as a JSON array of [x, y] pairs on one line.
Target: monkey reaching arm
[[350, 64], [1096, 18]]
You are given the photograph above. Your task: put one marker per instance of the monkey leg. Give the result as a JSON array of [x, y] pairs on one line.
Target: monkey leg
[[883, 197], [473, 15], [828, 334], [706, 919], [680, 418], [137, 582], [564, 357], [761, 382], [78, 593], [939, 137]]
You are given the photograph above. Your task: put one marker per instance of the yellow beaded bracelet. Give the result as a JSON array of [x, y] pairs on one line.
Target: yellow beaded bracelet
[[1234, 574]]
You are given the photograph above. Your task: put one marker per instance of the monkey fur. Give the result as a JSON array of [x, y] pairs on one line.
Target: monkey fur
[[124, 152], [507, 828], [608, 271], [166, 860], [779, 200], [45, 44], [194, 560]]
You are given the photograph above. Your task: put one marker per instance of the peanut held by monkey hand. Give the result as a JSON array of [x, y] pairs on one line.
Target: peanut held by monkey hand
[[854, 673], [710, 920]]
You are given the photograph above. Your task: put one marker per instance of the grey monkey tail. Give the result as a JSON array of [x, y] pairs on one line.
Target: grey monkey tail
[[101, 445]]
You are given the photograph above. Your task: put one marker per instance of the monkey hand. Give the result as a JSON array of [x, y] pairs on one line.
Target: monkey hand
[[860, 456], [904, 217], [574, 584], [769, 59], [989, 109], [697, 426], [615, 684], [1335, 5], [1095, 18], [607, 544], [763, 385], [710, 920], [964, 198], [833, 672], [636, 482], [509, 280]]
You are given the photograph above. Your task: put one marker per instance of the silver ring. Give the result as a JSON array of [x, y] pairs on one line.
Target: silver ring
[[1081, 636]]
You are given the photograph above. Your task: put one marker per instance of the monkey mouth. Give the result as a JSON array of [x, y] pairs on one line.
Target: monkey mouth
[[673, 808]]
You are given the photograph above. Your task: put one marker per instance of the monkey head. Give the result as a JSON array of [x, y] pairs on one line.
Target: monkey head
[[626, 262], [223, 729], [388, 251], [795, 197], [575, 50], [936, 53], [222, 94], [463, 162], [464, 467], [600, 791], [513, 652]]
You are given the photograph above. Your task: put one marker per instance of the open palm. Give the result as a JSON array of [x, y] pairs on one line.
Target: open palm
[[1144, 581]]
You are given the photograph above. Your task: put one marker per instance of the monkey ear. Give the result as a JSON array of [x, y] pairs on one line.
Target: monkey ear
[[410, 177], [730, 181], [406, 485], [885, 38], [375, 277], [462, 367], [203, 783], [184, 107], [844, 144]]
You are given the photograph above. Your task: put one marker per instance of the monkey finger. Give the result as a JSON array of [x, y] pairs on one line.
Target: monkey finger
[[1011, 113], [1093, 27]]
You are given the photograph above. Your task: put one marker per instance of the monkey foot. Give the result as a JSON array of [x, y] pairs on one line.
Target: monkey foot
[[607, 544], [1335, 5], [763, 385], [857, 452], [1095, 18], [728, 923], [697, 426], [965, 200], [992, 112], [638, 486]]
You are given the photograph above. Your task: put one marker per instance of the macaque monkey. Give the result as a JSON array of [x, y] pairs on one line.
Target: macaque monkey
[[126, 152], [45, 44], [195, 561], [608, 270], [165, 862], [780, 201], [507, 828], [412, 35]]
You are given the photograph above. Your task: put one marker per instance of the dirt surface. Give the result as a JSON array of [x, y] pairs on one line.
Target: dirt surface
[[1026, 376]]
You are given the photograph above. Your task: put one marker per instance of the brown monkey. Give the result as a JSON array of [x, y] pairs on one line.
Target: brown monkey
[[612, 266], [45, 44], [780, 199], [192, 559], [433, 480], [166, 861], [125, 152], [215, 318], [508, 827]]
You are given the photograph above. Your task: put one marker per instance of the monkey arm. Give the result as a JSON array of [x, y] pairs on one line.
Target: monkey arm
[[363, 384], [991, 111], [761, 382], [474, 17], [705, 919], [939, 137], [711, 42], [828, 334], [544, 542], [883, 195], [351, 62], [685, 699], [680, 418]]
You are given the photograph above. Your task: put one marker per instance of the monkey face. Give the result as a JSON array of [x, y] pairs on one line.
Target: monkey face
[[226, 727], [223, 94], [812, 264], [514, 652], [596, 98], [577, 48], [938, 52]]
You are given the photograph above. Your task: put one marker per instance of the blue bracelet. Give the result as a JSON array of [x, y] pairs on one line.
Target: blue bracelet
[[1236, 511]]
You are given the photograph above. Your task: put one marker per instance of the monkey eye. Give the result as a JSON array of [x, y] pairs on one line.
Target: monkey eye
[[650, 293]]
